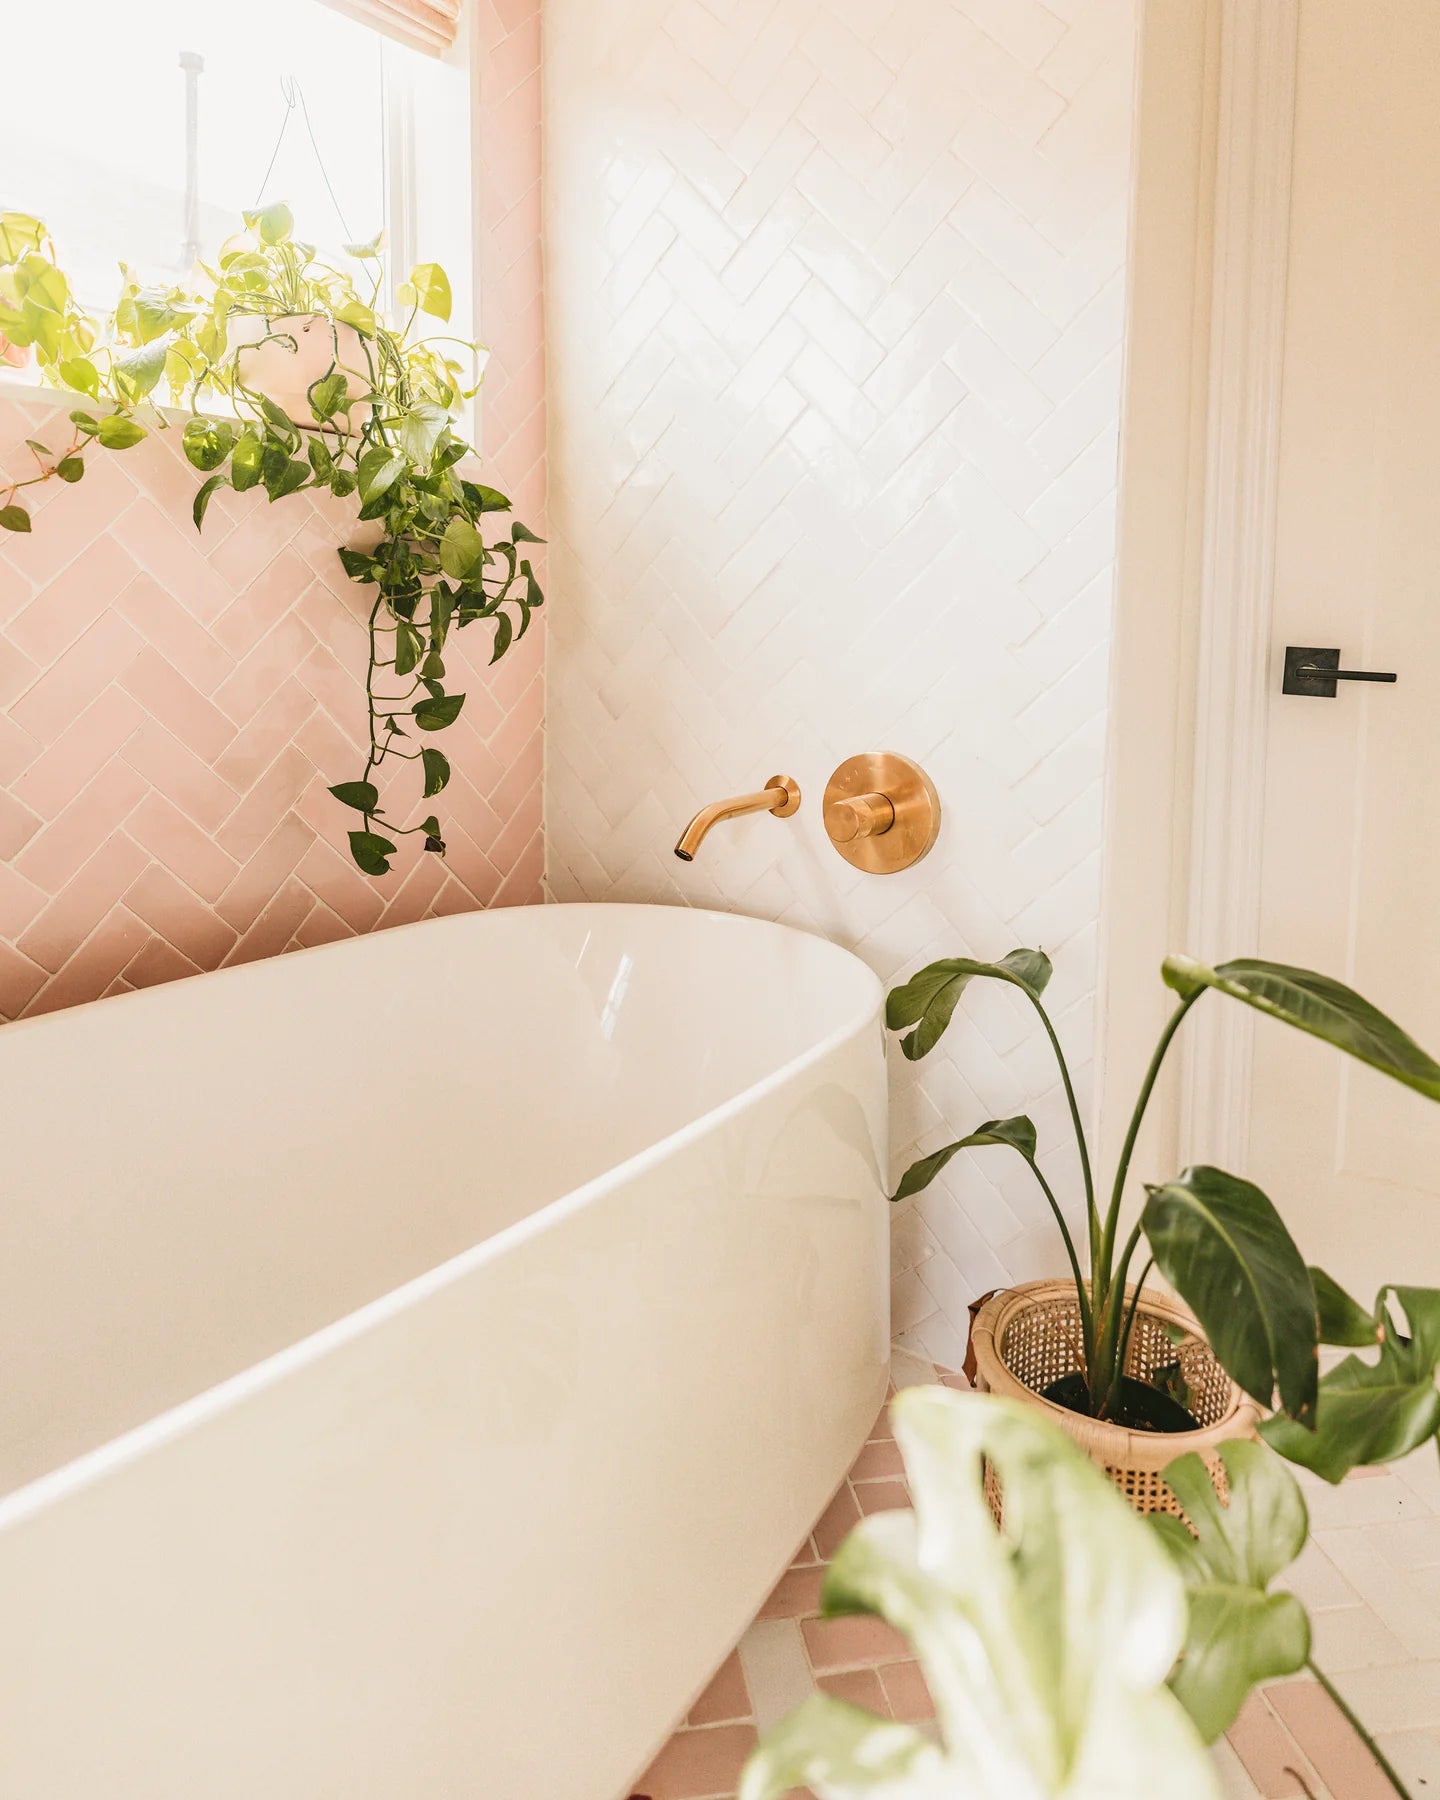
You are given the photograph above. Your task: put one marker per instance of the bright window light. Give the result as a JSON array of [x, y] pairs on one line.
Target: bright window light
[[107, 155]]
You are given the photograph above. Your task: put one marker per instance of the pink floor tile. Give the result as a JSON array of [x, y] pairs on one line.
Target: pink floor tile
[[796, 1595], [906, 1692], [882, 1496], [699, 1764], [837, 1521], [878, 1462], [851, 1643], [1317, 1725], [727, 1698], [857, 1687], [1272, 1758]]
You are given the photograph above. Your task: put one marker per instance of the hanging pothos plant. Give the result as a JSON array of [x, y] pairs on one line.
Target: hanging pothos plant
[[319, 391]]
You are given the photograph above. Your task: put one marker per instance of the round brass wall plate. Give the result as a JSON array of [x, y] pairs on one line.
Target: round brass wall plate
[[910, 792]]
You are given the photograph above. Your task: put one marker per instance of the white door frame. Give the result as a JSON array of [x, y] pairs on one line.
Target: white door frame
[[1199, 481]]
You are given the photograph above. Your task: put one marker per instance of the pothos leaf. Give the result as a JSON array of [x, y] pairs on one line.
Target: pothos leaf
[[429, 289], [207, 442], [14, 518], [435, 714], [504, 631], [378, 471], [328, 394], [371, 852], [359, 565], [246, 461], [437, 770], [362, 795], [203, 498], [408, 648], [462, 550], [274, 224], [119, 432]]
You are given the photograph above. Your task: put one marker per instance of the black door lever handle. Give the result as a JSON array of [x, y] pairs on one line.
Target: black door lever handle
[[1316, 673]]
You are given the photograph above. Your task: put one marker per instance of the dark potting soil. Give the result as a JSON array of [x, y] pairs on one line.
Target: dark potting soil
[[1142, 1407]]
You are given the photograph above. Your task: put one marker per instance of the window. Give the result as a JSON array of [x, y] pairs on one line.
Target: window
[[181, 114]]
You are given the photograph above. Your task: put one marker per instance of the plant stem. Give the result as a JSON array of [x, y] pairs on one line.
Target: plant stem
[[1100, 1273], [1386, 1767], [1112, 1332], [1085, 1171], [1129, 1325], [1087, 1316]]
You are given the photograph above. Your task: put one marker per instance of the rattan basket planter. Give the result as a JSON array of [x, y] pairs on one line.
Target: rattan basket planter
[[1026, 1337]]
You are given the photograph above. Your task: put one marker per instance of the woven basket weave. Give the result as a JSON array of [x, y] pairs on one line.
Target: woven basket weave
[[1027, 1337]]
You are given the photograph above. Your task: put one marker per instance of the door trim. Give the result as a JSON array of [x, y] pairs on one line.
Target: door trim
[[1259, 49], [1196, 556]]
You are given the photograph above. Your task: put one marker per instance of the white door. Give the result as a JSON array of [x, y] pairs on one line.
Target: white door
[[1352, 837]]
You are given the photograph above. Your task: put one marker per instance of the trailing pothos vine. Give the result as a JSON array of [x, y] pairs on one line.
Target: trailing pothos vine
[[377, 423]]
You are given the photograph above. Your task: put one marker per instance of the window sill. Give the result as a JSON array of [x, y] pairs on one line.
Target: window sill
[[26, 387]]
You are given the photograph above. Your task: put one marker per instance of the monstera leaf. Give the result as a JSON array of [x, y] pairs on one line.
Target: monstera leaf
[[928, 999], [1326, 1009], [1239, 1632], [1373, 1412], [1015, 1134], [1046, 1649], [1225, 1249]]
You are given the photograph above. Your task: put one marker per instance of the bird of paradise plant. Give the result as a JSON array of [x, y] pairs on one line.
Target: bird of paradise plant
[[1216, 1237]]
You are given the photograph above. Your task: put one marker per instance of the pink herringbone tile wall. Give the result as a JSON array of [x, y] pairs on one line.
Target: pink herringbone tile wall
[[174, 704]]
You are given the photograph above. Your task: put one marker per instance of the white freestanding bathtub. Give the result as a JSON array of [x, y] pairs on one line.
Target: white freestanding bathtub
[[418, 1356]]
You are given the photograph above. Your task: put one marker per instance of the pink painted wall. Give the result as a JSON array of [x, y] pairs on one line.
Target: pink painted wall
[[173, 706]]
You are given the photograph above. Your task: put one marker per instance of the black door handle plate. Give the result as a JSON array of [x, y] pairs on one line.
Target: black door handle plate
[[1317, 673]]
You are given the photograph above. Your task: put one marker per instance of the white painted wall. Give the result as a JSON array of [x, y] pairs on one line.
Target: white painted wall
[[835, 307]]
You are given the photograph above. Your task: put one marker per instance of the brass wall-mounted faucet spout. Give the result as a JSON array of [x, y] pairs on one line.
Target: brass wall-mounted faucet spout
[[780, 796]]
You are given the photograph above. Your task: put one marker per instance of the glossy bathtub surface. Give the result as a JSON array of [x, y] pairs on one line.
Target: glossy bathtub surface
[[383, 1328], [199, 1175]]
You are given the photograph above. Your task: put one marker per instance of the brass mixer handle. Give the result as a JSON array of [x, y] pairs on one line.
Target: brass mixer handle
[[863, 816]]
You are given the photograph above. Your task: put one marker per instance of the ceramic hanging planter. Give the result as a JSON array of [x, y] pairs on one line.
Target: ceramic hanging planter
[[286, 356]]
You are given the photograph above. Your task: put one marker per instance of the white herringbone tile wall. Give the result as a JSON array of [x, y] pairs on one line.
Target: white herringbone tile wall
[[835, 309]]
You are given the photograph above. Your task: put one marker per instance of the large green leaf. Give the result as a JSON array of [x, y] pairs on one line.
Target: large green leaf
[[1225, 1249], [1326, 1009], [1045, 1648], [928, 999], [1342, 1320], [1373, 1412], [379, 468], [1239, 1633], [119, 432], [428, 288], [462, 550], [1017, 1134]]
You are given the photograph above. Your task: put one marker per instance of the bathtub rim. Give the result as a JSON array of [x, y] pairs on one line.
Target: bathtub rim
[[69, 1479]]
